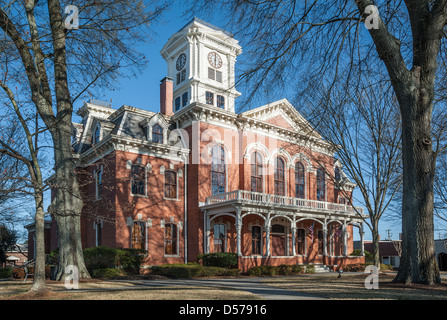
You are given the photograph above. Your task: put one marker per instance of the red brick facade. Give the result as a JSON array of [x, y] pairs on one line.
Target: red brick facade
[[166, 182]]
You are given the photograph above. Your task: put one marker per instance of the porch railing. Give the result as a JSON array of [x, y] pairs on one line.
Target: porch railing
[[271, 199]]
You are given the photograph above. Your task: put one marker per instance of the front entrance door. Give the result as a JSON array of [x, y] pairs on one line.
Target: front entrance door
[[278, 238]]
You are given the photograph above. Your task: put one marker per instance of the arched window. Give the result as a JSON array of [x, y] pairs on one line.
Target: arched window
[[96, 135], [321, 184], [337, 175], [171, 239], [157, 133], [279, 176], [99, 184], [299, 180], [218, 176], [256, 172]]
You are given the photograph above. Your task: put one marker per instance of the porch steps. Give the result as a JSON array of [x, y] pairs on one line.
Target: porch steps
[[321, 268]]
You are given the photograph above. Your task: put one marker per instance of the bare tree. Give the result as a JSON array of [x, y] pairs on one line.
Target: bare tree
[[22, 150], [363, 126], [57, 59], [314, 42]]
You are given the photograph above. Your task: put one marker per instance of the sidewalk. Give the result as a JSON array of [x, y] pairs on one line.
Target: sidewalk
[[252, 285]]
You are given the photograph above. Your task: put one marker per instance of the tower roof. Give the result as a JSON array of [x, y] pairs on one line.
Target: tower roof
[[209, 25]]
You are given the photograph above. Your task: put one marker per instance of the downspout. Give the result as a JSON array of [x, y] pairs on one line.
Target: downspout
[[185, 188]]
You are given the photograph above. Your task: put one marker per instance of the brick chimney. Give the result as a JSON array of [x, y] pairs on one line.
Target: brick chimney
[[166, 96]]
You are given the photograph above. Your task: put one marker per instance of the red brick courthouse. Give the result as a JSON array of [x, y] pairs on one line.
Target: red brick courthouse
[[197, 177]]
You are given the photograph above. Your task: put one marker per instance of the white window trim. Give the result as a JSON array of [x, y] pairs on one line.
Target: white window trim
[[97, 127], [101, 169], [264, 167], [225, 233], [146, 234], [96, 225], [261, 240], [164, 181], [145, 181], [177, 242], [306, 196]]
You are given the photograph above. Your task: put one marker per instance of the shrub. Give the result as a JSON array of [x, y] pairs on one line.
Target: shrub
[[19, 272], [298, 269], [104, 257], [219, 259], [254, 271], [108, 273], [53, 257], [100, 258], [262, 271], [191, 270], [386, 267], [310, 268], [354, 267], [285, 270], [5, 273], [130, 259]]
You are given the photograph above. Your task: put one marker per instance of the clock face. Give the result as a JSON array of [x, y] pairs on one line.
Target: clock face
[[215, 60], [181, 61]]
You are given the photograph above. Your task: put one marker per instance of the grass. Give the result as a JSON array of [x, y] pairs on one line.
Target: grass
[[348, 287], [352, 287], [113, 290]]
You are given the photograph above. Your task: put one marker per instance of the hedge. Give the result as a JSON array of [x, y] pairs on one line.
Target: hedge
[[218, 259], [283, 270], [102, 257], [191, 270], [108, 273], [5, 273]]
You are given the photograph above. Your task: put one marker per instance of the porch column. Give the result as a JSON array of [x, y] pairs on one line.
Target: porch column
[[207, 233], [238, 231], [267, 228], [345, 239], [325, 238], [294, 236]]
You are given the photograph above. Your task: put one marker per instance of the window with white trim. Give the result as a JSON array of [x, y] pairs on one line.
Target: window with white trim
[[138, 179], [171, 239], [98, 183]]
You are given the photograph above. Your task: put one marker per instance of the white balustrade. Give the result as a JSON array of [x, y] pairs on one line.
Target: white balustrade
[[271, 199]]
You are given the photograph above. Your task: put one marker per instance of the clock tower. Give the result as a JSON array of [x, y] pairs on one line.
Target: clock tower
[[201, 59]]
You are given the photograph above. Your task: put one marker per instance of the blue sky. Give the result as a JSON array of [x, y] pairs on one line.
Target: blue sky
[[143, 91]]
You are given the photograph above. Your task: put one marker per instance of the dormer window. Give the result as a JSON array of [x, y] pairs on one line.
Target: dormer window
[[157, 133], [96, 135], [337, 174]]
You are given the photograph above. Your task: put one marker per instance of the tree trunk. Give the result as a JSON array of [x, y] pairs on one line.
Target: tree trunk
[[67, 207], [375, 245], [39, 281], [418, 261], [68, 203]]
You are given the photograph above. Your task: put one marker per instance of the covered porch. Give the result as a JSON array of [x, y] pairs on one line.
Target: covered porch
[[267, 229]]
